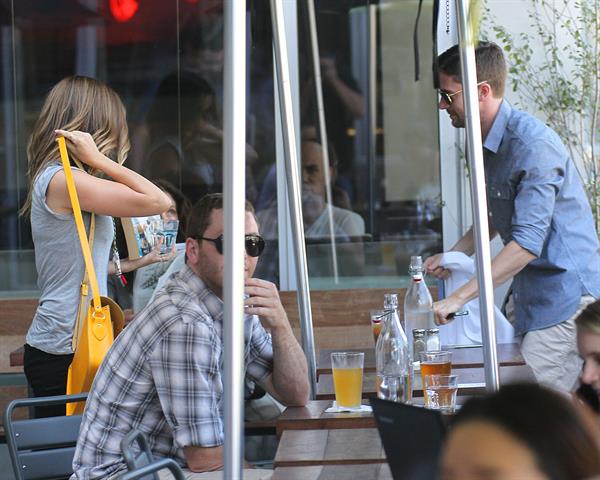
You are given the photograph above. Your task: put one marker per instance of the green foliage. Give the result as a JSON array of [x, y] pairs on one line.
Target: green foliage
[[556, 68]]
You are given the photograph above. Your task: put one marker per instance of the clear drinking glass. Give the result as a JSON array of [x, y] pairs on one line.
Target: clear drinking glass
[[169, 234], [441, 392], [347, 377], [434, 363]]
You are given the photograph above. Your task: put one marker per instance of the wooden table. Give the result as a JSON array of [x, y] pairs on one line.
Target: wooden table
[[314, 417], [471, 381], [300, 448], [509, 354], [372, 471]]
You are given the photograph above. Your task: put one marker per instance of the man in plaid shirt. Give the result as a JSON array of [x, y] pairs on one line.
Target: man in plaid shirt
[[163, 374]]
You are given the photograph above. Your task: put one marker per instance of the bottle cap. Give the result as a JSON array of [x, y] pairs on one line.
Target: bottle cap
[[418, 332], [432, 330]]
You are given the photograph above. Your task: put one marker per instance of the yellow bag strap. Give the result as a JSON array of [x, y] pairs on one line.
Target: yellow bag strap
[[85, 247], [83, 290]]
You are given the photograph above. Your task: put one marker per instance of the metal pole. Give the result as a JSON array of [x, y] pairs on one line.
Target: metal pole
[[478, 194], [234, 149], [372, 112], [314, 44], [293, 185]]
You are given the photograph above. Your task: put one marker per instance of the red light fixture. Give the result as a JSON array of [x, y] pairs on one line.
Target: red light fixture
[[123, 10]]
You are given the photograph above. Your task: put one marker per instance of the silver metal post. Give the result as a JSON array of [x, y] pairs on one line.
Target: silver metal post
[[478, 194], [234, 155], [372, 111], [293, 185], [314, 44]]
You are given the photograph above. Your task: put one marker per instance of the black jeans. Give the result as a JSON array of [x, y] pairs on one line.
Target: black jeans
[[47, 376]]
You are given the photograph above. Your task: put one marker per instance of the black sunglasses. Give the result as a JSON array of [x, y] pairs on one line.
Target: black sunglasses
[[255, 244], [447, 97]]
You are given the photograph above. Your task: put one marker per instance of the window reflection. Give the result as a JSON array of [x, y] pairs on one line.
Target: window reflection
[[167, 61], [396, 190]]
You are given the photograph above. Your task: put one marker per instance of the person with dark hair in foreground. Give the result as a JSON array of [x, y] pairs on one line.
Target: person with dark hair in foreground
[[521, 432], [588, 344], [163, 374]]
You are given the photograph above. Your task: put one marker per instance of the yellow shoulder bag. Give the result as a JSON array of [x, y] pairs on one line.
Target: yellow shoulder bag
[[94, 332]]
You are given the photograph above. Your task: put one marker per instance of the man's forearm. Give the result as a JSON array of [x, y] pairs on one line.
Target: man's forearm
[[466, 244], [290, 371]]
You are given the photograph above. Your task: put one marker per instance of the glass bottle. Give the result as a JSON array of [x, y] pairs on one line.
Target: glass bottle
[[394, 370], [418, 304]]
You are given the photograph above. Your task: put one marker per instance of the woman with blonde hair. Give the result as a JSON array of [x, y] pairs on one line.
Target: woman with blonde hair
[[91, 117]]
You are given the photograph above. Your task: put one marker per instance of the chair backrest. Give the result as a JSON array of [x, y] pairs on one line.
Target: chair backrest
[[155, 467], [42, 448], [136, 453]]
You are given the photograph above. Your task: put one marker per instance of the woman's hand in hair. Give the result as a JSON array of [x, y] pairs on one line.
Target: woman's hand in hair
[[81, 146]]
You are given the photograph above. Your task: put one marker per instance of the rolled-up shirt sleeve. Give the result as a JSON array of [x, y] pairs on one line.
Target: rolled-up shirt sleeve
[[539, 180], [185, 368], [259, 352]]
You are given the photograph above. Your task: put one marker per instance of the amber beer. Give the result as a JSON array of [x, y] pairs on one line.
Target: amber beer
[[347, 370], [377, 320], [436, 368], [435, 363], [376, 328]]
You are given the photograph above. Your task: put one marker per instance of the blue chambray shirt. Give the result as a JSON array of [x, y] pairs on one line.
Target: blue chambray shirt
[[536, 198]]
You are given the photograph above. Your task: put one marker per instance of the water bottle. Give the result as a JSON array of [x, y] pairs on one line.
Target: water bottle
[[394, 372], [418, 305]]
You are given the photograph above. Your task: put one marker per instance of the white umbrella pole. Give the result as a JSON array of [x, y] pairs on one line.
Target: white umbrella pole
[[234, 149], [478, 194]]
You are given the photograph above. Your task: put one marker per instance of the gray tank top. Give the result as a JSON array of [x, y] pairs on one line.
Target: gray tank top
[[60, 267]]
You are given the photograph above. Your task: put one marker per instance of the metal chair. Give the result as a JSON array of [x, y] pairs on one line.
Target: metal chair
[[42, 448], [139, 459], [155, 467], [136, 452]]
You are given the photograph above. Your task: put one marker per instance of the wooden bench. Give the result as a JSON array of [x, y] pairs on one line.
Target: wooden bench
[[341, 318]]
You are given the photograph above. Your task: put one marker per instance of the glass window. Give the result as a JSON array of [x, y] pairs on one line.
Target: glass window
[[381, 127], [165, 59], [375, 204]]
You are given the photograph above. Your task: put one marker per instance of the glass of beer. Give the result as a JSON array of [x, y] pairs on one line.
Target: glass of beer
[[377, 320], [347, 378], [434, 363], [441, 392]]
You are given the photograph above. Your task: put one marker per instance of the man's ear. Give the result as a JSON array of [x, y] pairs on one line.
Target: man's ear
[[191, 249], [484, 91]]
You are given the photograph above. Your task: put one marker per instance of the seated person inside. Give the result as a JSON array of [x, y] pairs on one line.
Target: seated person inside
[[163, 374], [347, 227]]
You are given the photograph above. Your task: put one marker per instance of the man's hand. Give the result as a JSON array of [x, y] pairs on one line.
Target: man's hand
[[431, 266], [445, 307], [264, 301]]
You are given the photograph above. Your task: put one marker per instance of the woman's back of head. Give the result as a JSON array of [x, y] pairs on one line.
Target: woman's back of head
[[78, 103], [563, 444]]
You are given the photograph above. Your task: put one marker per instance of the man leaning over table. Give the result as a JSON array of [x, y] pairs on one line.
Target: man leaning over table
[[163, 374], [538, 206]]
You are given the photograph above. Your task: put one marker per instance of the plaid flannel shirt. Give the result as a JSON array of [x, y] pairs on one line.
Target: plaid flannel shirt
[[163, 376]]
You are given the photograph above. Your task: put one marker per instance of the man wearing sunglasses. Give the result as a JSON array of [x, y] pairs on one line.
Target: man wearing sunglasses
[[538, 206], [163, 375]]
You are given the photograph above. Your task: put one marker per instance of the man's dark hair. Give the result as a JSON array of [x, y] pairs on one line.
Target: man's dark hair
[[490, 64], [199, 219], [546, 422], [333, 158]]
